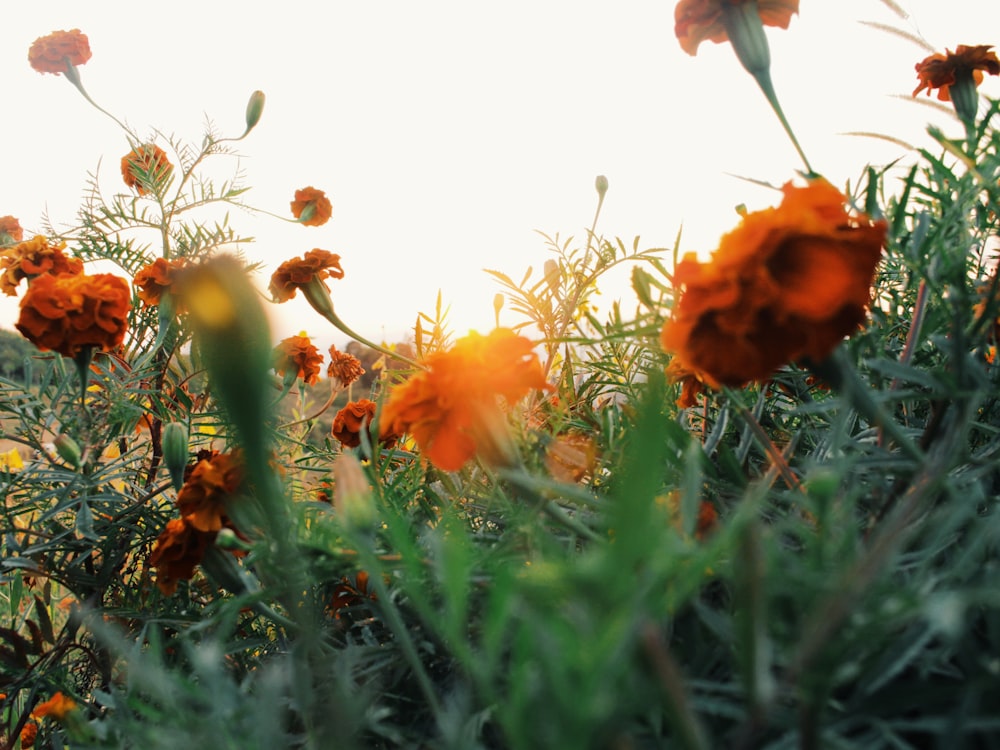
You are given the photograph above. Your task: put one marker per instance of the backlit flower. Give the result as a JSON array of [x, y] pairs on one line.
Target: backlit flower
[[68, 313], [355, 416], [297, 355], [298, 273], [53, 53], [698, 20], [202, 499], [58, 707], [941, 72], [571, 457], [158, 277], [788, 283], [10, 230], [344, 367], [451, 409], [179, 549], [31, 258], [311, 207], [145, 167]]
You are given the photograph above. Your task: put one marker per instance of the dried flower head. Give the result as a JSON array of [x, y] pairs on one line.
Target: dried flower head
[[941, 72], [68, 313], [202, 499], [344, 367], [311, 207], [297, 355], [55, 52], [10, 230], [32, 258], [698, 20], [157, 278], [298, 273], [178, 550], [145, 167], [788, 283], [450, 409]]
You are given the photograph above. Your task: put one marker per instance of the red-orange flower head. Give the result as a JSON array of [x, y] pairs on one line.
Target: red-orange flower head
[[311, 207], [349, 421], [788, 283], [698, 20], [202, 499], [451, 410], [68, 313], [297, 355], [55, 52], [344, 367], [179, 549], [10, 230], [941, 72], [298, 273], [58, 707], [157, 278], [145, 167], [32, 258]]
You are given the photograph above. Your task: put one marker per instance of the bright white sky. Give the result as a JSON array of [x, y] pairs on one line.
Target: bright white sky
[[446, 131]]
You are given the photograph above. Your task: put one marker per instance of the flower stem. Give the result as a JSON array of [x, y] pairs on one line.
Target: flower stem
[[763, 79]]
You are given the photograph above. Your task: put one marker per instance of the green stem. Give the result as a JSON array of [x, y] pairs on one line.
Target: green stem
[[763, 79]]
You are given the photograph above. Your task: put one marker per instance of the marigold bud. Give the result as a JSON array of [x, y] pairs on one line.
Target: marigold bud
[[255, 108], [601, 184], [67, 449], [174, 441]]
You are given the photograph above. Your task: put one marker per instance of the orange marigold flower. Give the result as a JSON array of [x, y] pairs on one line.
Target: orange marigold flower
[[344, 367], [451, 408], [28, 734], [297, 354], [571, 457], [941, 72], [158, 277], [788, 283], [178, 550], [10, 230], [311, 207], [53, 53], [692, 384], [298, 273], [349, 421], [144, 167], [698, 20], [58, 707], [68, 313], [202, 499], [33, 258]]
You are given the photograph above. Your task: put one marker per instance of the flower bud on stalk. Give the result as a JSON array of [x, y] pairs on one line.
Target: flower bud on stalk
[[68, 449], [174, 441], [255, 108]]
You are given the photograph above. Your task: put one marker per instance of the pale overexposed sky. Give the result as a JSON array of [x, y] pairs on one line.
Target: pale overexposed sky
[[447, 132]]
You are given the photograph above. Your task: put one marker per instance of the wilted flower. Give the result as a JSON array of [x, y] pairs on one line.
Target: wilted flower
[[69, 313], [311, 207], [297, 355], [55, 52], [941, 72], [57, 707], [344, 367], [698, 20], [789, 283], [33, 258], [157, 278], [10, 230], [451, 408], [144, 167], [179, 549], [298, 273], [202, 499]]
